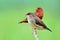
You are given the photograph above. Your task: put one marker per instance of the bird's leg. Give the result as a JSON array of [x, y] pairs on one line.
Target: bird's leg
[[35, 33]]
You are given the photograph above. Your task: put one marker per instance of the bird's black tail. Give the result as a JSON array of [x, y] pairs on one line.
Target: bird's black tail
[[49, 29], [20, 22]]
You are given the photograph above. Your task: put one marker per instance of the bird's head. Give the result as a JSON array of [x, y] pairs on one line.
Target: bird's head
[[39, 9], [30, 15]]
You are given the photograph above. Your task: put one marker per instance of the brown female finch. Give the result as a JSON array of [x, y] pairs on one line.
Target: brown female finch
[[36, 22]]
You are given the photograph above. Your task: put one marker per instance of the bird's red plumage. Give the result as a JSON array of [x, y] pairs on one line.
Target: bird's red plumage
[[39, 13]]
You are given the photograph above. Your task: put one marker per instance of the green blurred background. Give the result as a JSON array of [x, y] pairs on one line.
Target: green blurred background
[[13, 11]]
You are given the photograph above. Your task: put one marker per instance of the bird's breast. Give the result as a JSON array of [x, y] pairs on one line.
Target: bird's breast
[[30, 19]]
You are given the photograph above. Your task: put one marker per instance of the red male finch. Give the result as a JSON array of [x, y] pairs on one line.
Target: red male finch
[[39, 13]]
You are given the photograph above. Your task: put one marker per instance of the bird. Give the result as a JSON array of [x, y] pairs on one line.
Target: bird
[[39, 12], [36, 22]]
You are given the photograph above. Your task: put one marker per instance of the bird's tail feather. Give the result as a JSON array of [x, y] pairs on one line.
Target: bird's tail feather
[[49, 29]]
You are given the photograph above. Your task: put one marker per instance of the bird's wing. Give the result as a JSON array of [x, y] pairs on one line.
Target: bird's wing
[[41, 23], [39, 12]]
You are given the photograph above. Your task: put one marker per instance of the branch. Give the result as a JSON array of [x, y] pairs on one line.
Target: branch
[[35, 33]]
